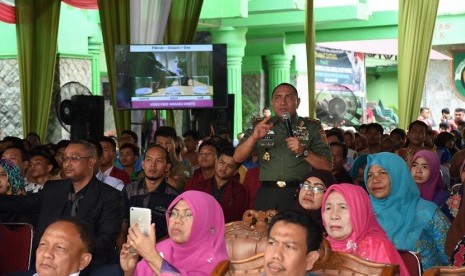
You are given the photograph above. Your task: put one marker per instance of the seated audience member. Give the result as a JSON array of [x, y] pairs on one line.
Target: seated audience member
[[416, 141], [128, 137], [109, 180], [349, 139], [361, 144], [16, 154], [196, 241], [311, 191], [151, 192], [446, 118], [33, 139], [191, 141], [374, 135], [453, 203], [179, 173], [339, 153], [352, 227], [426, 172], [444, 127], [362, 129], [231, 195], [358, 169], [293, 243], [106, 162], [60, 150], [11, 181], [337, 135], [80, 195], [410, 222], [398, 138], [455, 163], [65, 248], [128, 156], [207, 156], [443, 142], [431, 135], [455, 242], [41, 165], [252, 183]]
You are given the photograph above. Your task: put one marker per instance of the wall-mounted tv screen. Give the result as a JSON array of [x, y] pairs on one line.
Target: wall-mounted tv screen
[[171, 76]]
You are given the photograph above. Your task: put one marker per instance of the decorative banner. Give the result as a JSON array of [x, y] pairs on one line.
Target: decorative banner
[[458, 73], [340, 67]]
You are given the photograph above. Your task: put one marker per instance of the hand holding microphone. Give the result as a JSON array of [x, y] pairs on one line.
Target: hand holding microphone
[[293, 143]]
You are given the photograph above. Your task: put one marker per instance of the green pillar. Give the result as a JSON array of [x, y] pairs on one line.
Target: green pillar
[[279, 70], [94, 50], [235, 40]]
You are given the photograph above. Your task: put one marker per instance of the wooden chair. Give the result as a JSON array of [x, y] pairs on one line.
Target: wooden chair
[[411, 261], [340, 263], [245, 243], [15, 247], [445, 270]]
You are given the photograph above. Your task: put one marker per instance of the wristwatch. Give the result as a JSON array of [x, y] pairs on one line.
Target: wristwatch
[[305, 153]]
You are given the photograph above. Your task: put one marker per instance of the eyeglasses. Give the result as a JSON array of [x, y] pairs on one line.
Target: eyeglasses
[[73, 159], [173, 214], [314, 189]]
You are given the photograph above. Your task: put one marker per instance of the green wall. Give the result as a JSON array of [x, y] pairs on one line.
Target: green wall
[[8, 43], [384, 88]]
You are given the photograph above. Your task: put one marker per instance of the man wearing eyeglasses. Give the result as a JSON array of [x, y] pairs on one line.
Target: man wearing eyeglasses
[[81, 195]]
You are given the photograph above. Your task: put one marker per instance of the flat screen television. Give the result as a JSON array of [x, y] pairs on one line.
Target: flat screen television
[[171, 76]]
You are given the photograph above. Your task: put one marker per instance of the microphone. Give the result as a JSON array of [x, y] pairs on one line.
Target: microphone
[[287, 123]]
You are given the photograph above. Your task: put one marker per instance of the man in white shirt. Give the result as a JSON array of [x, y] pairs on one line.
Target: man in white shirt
[[64, 249]]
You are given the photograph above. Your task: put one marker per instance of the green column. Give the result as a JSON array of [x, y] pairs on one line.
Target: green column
[[235, 40], [94, 50], [279, 70]]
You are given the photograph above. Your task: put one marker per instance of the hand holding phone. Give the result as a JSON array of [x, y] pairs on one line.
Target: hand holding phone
[[142, 217]]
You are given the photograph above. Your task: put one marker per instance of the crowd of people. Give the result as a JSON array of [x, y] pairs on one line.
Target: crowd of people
[[371, 193]]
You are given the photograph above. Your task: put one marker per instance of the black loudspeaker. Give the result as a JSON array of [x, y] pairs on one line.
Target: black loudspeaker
[[86, 116], [216, 118]]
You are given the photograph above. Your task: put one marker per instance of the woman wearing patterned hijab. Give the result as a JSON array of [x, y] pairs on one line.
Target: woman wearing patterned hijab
[[11, 181]]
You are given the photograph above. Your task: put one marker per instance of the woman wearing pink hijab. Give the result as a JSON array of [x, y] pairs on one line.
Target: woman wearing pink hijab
[[196, 245], [425, 169], [352, 227]]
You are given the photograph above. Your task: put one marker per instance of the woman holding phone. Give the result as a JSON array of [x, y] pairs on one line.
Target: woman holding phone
[[196, 241]]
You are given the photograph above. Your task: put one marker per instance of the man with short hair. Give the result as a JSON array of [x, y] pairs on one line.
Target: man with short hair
[[64, 249], [459, 115], [339, 152], [425, 117], [81, 195], [151, 192], [128, 155], [231, 195], [106, 162], [288, 149], [374, 136], [179, 173], [128, 137], [191, 141], [293, 242], [41, 164], [207, 156]]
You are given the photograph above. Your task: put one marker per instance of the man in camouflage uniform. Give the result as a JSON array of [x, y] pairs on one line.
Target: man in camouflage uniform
[[285, 161]]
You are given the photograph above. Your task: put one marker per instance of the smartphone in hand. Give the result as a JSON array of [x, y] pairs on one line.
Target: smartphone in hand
[[143, 218]]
